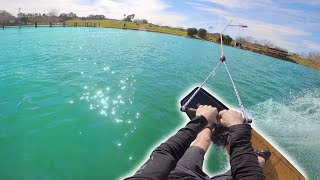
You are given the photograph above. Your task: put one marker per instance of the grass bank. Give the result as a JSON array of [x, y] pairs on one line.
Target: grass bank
[[305, 62], [129, 25], [292, 58]]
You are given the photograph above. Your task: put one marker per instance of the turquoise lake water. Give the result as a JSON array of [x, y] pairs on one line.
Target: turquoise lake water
[[91, 103]]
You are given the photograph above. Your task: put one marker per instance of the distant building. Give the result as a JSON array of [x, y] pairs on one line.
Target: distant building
[[144, 21], [12, 22]]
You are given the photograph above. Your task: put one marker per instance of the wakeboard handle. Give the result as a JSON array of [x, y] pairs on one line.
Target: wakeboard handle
[[193, 110]]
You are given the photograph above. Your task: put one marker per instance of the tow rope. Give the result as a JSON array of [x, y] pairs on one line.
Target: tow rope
[[223, 60]]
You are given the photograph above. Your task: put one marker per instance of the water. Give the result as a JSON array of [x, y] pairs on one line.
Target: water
[[80, 103]]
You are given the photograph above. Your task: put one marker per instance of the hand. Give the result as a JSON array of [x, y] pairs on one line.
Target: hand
[[209, 112], [230, 118]]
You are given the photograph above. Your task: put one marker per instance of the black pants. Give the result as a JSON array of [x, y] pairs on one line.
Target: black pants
[[175, 159], [190, 166]]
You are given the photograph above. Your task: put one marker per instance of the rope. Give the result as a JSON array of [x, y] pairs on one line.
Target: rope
[[222, 59], [237, 94], [183, 108]]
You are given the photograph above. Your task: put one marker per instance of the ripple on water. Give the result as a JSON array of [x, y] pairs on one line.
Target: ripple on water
[[111, 99], [149, 71]]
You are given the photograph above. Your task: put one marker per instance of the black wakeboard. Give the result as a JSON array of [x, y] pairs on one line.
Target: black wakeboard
[[220, 134]]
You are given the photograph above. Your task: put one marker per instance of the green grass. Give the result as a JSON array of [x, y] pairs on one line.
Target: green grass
[[129, 25], [305, 62]]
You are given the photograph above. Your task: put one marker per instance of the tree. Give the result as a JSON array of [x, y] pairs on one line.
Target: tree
[[192, 31], [53, 14], [267, 43], [96, 17], [129, 18], [314, 56], [5, 17], [250, 39], [72, 15], [226, 40], [202, 33], [66, 17], [25, 20], [241, 40], [63, 17]]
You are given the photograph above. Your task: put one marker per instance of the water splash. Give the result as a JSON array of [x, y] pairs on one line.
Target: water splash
[[293, 124], [298, 113]]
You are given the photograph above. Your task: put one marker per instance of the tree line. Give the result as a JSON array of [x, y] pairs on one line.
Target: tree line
[[311, 56], [202, 33], [263, 42], [52, 16]]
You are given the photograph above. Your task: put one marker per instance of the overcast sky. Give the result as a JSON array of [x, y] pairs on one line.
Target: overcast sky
[[292, 24]]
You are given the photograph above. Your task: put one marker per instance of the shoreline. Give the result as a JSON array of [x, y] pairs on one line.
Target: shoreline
[[117, 24]]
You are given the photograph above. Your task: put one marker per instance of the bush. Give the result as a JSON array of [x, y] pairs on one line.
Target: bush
[[192, 31], [226, 40], [202, 33]]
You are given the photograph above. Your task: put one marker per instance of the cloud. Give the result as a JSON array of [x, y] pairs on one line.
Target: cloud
[[155, 11], [45, 6], [309, 2], [231, 3], [311, 45], [244, 4], [280, 34], [203, 7]]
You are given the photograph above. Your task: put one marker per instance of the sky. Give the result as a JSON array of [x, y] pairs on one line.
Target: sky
[[290, 24]]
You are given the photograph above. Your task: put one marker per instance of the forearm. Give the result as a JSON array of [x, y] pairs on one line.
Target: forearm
[[203, 139], [244, 163], [180, 142], [165, 157]]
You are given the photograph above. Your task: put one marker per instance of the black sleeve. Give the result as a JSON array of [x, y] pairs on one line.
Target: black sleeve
[[165, 157], [244, 163]]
